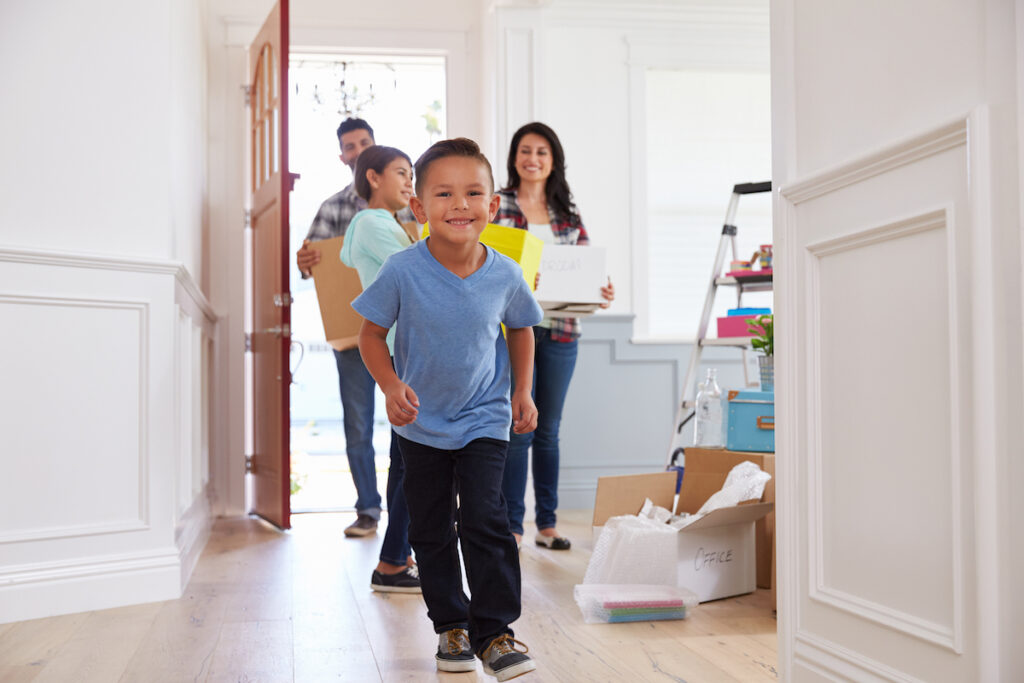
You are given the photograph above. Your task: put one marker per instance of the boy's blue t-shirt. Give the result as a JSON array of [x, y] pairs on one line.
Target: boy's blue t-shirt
[[448, 342]]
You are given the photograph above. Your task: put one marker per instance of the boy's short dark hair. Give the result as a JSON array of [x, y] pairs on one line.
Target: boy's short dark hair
[[351, 124], [457, 147], [377, 158]]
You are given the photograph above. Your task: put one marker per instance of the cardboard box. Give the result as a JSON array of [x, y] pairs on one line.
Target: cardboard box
[[336, 286], [571, 278], [519, 245], [705, 472], [716, 554]]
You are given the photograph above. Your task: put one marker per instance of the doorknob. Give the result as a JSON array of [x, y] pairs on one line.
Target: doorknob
[[279, 330]]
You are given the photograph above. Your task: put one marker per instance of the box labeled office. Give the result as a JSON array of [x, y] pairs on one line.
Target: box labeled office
[[716, 555]]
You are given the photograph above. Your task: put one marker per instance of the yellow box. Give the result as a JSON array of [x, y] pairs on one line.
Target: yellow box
[[519, 245]]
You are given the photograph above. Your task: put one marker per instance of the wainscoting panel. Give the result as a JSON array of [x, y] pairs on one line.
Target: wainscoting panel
[[105, 439]]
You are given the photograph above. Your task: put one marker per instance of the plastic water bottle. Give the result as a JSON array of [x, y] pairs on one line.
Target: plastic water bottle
[[708, 431]]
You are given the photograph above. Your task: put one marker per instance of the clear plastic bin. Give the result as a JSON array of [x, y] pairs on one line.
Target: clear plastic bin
[[603, 603]]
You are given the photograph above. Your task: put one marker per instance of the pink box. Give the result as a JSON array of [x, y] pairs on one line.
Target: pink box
[[735, 326]]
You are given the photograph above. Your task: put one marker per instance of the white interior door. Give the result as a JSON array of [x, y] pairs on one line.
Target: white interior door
[[891, 269]]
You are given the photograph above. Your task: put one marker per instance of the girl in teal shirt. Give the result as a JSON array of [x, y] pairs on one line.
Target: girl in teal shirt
[[383, 177]]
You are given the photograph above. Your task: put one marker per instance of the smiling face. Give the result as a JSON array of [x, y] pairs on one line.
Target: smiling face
[[352, 145], [533, 158], [392, 187], [457, 199]]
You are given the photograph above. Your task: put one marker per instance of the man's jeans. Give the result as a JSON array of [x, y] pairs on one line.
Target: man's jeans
[[553, 366], [433, 478], [357, 406]]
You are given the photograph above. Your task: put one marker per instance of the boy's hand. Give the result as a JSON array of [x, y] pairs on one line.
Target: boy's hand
[[402, 404], [524, 413]]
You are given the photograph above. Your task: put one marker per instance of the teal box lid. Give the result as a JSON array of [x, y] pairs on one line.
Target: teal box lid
[[752, 396], [748, 311]]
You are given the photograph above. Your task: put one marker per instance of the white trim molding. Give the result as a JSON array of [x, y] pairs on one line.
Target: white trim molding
[[889, 158]]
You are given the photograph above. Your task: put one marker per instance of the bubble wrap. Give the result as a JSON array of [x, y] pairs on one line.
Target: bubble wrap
[[633, 550], [746, 481]]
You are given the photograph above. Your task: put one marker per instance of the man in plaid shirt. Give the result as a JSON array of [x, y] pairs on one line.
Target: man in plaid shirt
[[356, 384]]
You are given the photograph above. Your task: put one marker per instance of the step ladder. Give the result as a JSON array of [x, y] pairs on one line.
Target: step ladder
[[753, 283]]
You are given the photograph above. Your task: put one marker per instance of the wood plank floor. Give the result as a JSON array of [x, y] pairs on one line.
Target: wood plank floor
[[268, 606]]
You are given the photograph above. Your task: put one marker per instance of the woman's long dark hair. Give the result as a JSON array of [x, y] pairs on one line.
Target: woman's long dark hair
[[556, 189]]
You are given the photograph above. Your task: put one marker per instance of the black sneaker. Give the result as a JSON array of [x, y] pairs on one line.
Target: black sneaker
[[553, 542], [503, 661], [405, 581], [363, 526], [454, 652]]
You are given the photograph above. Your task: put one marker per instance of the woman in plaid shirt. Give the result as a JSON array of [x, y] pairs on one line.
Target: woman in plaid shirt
[[537, 198]]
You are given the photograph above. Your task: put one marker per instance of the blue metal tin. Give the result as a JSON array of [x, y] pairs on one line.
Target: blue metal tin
[[751, 421]]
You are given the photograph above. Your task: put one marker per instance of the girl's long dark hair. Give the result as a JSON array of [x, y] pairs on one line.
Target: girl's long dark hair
[[556, 189]]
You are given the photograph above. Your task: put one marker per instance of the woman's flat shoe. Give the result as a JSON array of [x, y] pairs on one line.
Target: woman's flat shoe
[[553, 542]]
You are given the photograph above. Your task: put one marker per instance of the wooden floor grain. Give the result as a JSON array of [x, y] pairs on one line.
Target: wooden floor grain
[[269, 606]]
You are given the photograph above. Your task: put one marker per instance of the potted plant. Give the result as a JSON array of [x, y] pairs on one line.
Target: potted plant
[[763, 327]]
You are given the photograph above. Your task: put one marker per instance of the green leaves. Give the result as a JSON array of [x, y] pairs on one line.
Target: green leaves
[[763, 327]]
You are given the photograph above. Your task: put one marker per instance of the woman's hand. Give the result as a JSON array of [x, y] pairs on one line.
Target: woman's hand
[[608, 292]]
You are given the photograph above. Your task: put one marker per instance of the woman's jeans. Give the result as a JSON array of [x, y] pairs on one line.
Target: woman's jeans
[[437, 527], [553, 366]]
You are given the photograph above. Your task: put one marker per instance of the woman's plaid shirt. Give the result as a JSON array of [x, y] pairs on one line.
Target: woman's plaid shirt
[[567, 230]]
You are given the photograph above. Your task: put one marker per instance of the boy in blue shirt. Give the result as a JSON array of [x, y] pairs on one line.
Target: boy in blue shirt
[[447, 396]]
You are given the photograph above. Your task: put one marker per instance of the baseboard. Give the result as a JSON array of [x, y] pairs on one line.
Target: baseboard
[[191, 535], [49, 589]]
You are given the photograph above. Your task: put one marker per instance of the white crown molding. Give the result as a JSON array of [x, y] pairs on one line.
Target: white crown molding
[[886, 159], [665, 15]]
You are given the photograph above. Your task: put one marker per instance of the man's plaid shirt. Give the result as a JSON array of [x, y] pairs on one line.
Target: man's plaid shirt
[[567, 230], [337, 212]]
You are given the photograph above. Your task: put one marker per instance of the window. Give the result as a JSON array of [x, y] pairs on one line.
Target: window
[[706, 131]]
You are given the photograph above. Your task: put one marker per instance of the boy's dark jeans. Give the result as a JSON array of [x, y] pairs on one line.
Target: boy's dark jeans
[[433, 477]]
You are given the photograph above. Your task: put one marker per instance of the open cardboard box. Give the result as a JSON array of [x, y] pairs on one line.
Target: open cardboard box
[[707, 469], [716, 555]]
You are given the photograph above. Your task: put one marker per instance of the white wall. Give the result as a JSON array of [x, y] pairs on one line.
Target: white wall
[[884, 112], [105, 383], [582, 66]]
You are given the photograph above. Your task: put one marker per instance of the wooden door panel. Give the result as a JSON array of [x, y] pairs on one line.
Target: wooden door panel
[[270, 184]]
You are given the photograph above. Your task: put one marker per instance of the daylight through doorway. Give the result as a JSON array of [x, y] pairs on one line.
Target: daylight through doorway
[[403, 99]]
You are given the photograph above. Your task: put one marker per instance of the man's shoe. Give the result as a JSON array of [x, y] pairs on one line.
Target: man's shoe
[[405, 581], [503, 661], [553, 542], [363, 526], [454, 652]]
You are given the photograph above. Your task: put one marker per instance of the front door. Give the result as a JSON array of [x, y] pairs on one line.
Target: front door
[[270, 184]]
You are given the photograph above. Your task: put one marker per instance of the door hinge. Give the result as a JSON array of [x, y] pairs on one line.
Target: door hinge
[[249, 466], [247, 219], [248, 342], [283, 300], [247, 89]]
